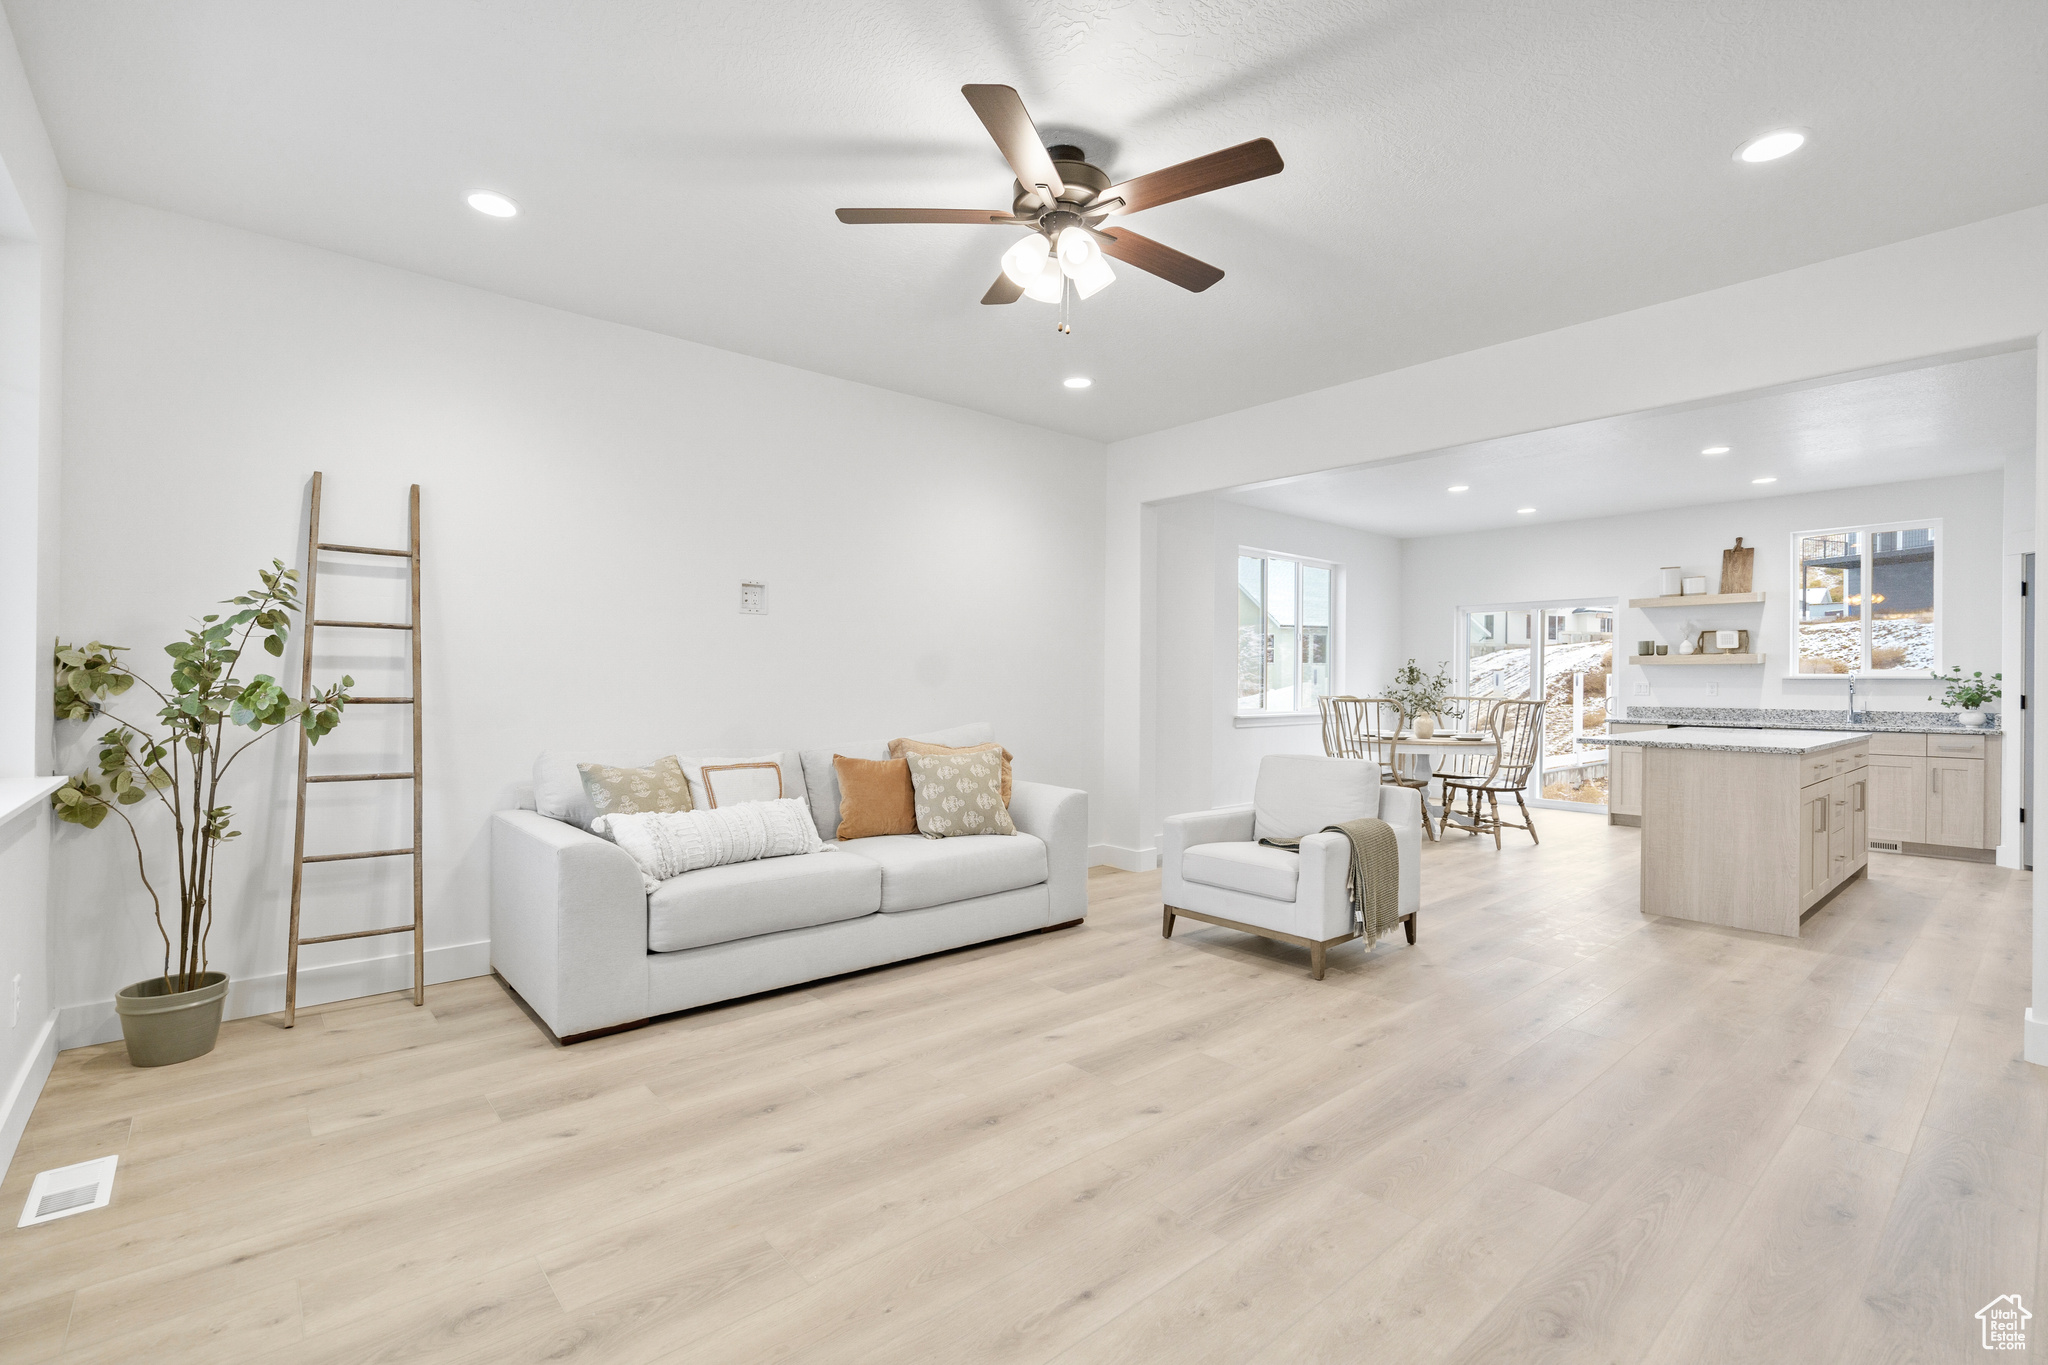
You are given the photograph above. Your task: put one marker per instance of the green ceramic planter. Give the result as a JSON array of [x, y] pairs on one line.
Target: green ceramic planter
[[163, 1026]]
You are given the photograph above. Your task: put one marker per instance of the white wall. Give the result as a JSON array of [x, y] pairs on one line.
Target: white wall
[[1204, 756], [32, 204], [593, 497], [1616, 558]]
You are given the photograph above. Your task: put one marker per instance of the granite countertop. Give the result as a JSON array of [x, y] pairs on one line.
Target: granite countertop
[[1787, 718], [1720, 740]]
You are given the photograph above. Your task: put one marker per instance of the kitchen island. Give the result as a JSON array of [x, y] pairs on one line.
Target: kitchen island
[[1750, 829]]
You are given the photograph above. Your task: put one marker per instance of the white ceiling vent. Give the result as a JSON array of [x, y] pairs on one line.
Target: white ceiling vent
[[67, 1190]]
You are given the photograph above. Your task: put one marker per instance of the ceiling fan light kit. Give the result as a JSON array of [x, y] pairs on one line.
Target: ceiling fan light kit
[[1068, 204]]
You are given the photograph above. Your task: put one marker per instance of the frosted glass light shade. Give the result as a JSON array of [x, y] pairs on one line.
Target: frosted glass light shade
[[1025, 259], [1077, 252], [1094, 277], [1049, 284]]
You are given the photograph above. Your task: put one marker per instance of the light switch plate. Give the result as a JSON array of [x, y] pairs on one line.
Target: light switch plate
[[1713, 689], [1642, 689], [754, 599]]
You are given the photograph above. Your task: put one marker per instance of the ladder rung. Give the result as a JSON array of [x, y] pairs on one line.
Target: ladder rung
[[360, 933], [366, 550], [344, 857], [369, 625], [360, 777], [380, 701]]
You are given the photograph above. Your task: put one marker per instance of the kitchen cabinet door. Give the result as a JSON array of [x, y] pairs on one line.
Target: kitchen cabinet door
[[1955, 802], [1859, 819], [1813, 841], [1625, 781], [1841, 829], [1897, 798]]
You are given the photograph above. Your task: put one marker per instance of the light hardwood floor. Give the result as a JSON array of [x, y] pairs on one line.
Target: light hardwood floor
[[1552, 1131]]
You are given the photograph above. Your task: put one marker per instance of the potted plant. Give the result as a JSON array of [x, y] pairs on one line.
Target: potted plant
[[181, 761], [1969, 693], [1420, 696]]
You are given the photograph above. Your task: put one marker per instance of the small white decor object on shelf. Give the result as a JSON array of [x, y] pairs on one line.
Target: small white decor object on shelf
[[1695, 586], [1729, 640], [1672, 580], [1685, 646]]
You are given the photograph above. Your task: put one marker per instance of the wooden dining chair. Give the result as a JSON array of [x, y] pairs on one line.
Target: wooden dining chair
[[1517, 728], [1369, 728]]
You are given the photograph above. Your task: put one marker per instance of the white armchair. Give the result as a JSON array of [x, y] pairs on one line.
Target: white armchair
[[1213, 869]]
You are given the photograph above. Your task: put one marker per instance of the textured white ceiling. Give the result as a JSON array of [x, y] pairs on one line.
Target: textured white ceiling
[[1957, 418], [1460, 172]]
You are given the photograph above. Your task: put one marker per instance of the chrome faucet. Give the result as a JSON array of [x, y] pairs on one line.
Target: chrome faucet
[[1852, 696]]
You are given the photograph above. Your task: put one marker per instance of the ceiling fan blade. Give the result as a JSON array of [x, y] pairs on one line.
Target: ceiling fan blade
[[1231, 166], [1004, 290], [926, 216], [1002, 113], [1157, 258]]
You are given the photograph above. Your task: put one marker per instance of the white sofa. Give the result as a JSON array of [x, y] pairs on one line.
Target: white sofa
[[1212, 867], [575, 932]]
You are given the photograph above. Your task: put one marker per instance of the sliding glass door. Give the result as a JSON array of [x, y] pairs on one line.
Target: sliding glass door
[[1563, 653]]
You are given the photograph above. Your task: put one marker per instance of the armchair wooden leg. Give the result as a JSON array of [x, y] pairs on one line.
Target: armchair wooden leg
[[1316, 955], [1408, 922], [1166, 925]]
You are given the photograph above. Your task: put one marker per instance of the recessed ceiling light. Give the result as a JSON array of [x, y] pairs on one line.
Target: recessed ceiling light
[[1460, 488], [1523, 511], [1715, 450], [1768, 478], [494, 204], [1771, 146], [1079, 382]]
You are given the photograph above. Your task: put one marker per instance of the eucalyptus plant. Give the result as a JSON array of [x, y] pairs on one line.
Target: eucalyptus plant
[[181, 760], [1416, 692], [1971, 692]]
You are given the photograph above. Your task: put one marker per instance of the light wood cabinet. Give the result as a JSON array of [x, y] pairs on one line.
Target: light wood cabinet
[[1898, 798], [1625, 782], [1955, 802]]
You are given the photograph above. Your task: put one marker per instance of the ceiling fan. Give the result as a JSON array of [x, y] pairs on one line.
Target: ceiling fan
[[1068, 205]]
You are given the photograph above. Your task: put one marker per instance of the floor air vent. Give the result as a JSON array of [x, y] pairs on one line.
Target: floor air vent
[[67, 1190]]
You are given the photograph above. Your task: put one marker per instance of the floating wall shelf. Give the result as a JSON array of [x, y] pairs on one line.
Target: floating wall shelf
[[1698, 599], [1732, 660]]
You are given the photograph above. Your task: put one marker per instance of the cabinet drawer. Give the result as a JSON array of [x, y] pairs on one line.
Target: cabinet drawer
[[1955, 746], [1906, 746], [1815, 768], [1848, 760]]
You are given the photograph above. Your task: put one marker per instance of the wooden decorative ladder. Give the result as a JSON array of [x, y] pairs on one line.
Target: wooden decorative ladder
[[315, 547]]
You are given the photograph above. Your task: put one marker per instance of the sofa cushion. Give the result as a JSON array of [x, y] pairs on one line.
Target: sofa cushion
[[822, 784], [558, 786], [1301, 794], [874, 797], [1253, 869], [742, 900], [918, 872], [716, 782]]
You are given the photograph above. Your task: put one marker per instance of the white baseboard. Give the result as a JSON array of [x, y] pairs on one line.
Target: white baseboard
[[96, 1022], [1123, 859], [2034, 1043], [24, 1088]]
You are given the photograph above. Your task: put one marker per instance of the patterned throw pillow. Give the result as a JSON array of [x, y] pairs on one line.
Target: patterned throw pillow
[[660, 788], [899, 748], [959, 793]]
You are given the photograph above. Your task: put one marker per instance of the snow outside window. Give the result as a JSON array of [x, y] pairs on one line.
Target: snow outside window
[[1867, 597], [1286, 637]]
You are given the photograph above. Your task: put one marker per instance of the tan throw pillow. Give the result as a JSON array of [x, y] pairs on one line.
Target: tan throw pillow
[[659, 788], [898, 748], [874, 797], [959, 793]]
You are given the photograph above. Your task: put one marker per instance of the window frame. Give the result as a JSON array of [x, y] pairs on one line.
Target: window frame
[[1867, 533], [1260, 715]]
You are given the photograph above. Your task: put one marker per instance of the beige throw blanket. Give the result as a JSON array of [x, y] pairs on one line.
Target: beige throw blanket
[[1374, 882]]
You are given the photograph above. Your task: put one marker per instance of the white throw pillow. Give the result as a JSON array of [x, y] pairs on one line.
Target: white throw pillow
[[716, 782], [669, 843]]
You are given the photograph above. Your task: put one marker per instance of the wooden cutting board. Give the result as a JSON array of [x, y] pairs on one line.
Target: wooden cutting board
[[1738, 568]]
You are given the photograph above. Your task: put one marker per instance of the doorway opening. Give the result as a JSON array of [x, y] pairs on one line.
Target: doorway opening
[[1564, 650]]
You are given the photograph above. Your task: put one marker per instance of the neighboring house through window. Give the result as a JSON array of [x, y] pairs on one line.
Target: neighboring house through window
[[1867, 597], [1286, 633]]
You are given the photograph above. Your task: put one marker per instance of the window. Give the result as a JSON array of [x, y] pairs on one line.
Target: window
[[1866, 598], [1285, 639]]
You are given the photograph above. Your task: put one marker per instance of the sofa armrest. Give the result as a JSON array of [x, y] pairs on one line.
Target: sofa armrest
[[568, 923], [1179, 833], [1059, 816], [1401, 807]]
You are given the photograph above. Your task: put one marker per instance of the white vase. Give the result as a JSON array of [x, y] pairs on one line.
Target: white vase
[[1425, 726], [1975, 717]]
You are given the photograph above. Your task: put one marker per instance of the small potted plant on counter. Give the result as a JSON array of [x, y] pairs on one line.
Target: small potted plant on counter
[[1420, 696], [1970, 694], [180, 762]]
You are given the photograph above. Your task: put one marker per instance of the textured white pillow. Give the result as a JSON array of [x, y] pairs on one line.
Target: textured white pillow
[[731, 781], [669, 843]]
